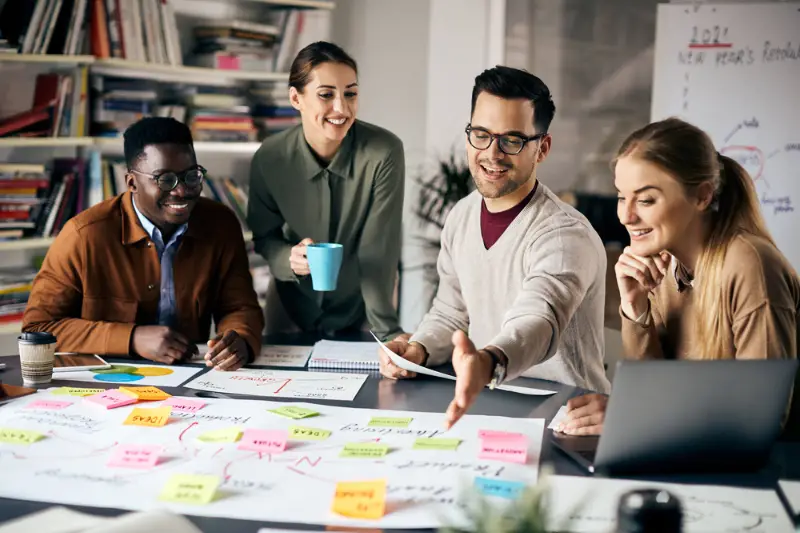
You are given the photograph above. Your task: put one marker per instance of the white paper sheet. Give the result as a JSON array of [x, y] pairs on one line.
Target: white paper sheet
[[560, 416], [271, 355], [405, 364], [589, 505], [791, 489], [176, 377], [53, 520], [424, 487], [282, 384]]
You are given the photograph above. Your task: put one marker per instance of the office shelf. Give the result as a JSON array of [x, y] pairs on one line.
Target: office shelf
[[36, 142], [46, 59]]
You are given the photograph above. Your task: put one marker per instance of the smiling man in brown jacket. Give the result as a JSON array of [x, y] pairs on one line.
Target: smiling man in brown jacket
[[145, 272]]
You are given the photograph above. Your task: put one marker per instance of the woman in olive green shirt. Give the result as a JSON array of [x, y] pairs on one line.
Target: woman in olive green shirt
[[331, 179]]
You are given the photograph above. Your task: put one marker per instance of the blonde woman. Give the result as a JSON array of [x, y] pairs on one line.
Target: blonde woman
[[702, 278]]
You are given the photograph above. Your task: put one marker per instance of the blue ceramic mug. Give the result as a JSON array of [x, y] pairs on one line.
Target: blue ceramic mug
[[324, 261]]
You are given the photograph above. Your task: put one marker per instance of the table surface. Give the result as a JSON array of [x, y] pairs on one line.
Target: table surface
[[425, 394]]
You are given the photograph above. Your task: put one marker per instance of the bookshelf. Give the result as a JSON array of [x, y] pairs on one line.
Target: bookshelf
[[314, 4], [46, 59], [124, 68], [10, 328], [44, 142], [114, 144], [26, 244]]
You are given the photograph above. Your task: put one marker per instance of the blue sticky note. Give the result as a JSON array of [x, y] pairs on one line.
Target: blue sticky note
[[510, 490]]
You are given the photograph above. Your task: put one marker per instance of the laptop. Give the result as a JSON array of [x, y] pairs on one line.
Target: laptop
[[688, 416]]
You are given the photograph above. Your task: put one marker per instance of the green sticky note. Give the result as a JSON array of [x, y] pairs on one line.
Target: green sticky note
[[75, 391], [19, 436], [436, 444], [389, 422], [193, 489], [302, 433], [364, 450], [295, 412], [221, 435]]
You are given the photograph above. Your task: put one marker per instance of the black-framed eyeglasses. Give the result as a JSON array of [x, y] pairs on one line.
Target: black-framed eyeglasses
[[510, 144], [167, 181]]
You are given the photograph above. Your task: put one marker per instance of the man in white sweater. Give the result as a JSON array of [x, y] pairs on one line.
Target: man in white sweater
[[519, 270]]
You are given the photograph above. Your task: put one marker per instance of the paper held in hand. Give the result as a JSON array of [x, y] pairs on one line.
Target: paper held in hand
[[405, 364]]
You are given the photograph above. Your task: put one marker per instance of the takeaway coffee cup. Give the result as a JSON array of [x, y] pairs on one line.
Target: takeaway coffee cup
[[324, 261], [36, 354]]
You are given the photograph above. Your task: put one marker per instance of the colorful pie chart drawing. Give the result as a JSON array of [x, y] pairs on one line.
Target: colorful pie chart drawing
[[126, 374]]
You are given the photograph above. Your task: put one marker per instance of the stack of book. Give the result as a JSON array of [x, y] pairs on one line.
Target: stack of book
[[46, 26], [218, 114], [117, 103], [22, 195], [235, 45], [230, 193], [272, 111], [15, 288]]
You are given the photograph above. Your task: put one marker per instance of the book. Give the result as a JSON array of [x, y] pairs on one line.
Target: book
[[339, 354]]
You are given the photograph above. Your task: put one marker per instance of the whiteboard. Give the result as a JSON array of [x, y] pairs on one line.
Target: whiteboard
[[734, 71]]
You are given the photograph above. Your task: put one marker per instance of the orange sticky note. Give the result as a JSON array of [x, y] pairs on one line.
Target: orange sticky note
[[360, 499], [148, 417], [146, 393]]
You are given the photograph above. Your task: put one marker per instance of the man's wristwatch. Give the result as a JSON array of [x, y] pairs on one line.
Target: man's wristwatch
[[498, 369]]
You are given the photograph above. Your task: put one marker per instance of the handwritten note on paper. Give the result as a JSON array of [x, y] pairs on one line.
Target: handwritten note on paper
[[292, 411], [361, 499], [146, 394], [436, 444], [286, 356], [389, 422], [148, 417], [221, 435], [191, 489], [305, 433], [111, 399], [364, 450], [19, 436], [263, 440], [504, 435], [76, 391], [513, 450], [142, 456], [184, 405], [510, 490], [48, 405]]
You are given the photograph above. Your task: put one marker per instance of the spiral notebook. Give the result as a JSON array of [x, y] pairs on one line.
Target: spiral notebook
[[351, 355]]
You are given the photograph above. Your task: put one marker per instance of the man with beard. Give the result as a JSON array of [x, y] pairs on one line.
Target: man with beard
[[143, 273], [521, 274]]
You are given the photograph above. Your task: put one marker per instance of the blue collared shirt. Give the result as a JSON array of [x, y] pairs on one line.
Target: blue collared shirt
[[167, 306]]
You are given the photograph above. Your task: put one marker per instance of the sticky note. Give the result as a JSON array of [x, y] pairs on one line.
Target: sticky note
[[184, 405], [360, 499], [292, 411], [514, 450], [221, 435], [148, 417], [389, 422], [146, 394], [49, 405], [436, 444], [111, 399], [364, 450], [76, 391], [192, 489], [19, 436], [263, 440], [304, 433], [143, 456], [510, 490], [505, 435]]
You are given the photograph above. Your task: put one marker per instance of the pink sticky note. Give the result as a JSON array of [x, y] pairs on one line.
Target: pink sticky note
[[513, 450], [51, 405], [183, 405], [111, 399], [142, 456], [263, 440], [504, 435]]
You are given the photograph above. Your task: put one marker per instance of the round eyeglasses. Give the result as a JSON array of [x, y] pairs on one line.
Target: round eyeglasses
[[510, 144], [167, 181]]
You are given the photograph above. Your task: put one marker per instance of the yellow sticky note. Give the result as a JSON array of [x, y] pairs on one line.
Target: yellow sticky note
[[148, 417], [364, 450], [76, 391], [436, 444], [19, 436], [389, 422], [360, 499], [302, 433], [146, 394], [292, 411], [193, 489], [221, 435]]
